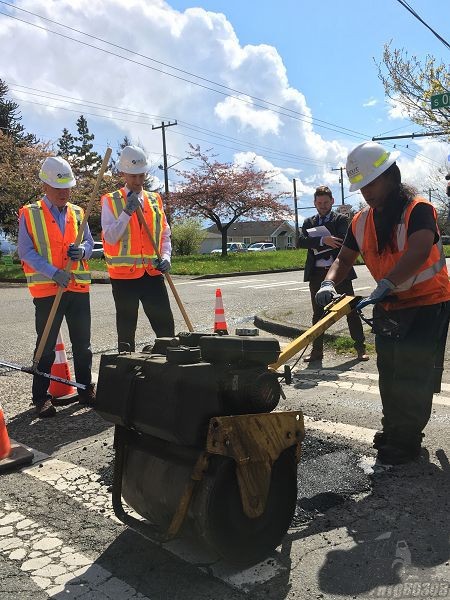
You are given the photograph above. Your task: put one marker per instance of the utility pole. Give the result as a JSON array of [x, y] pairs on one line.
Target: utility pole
[[341, 181], [166, 170], [297, 233], [429, 193]]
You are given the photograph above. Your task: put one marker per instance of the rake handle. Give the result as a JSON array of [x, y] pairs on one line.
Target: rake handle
[[142, 221]]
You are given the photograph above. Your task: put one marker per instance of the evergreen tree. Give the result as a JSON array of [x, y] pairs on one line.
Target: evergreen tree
[[66, 144], [10, 118], [86, 161]]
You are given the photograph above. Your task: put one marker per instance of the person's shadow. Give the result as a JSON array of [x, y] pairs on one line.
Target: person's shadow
[[71, 423], [400, 532]]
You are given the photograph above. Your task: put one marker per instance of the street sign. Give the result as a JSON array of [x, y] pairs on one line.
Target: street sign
[[440, 101], [344, 209]]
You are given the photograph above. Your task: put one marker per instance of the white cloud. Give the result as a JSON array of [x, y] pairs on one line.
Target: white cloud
[[370, 102], [396, 110]]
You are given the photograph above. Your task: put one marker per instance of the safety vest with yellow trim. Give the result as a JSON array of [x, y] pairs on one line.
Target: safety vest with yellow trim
[[132, 255], [52, 244], [430, 285]]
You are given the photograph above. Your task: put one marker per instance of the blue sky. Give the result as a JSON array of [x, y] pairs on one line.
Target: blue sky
[[314, 58]]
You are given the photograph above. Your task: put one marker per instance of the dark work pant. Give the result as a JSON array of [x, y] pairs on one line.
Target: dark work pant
[[152, 292], [407, 373], [353, 320], [75, 307]]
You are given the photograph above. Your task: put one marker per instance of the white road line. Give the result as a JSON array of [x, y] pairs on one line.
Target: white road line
[[352, 432], [298, 289], [59, 570], [231, 281], [269, 285], [83, 486], [362, 387]]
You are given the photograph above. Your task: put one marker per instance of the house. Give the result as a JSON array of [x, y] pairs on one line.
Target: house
[[281, 233]]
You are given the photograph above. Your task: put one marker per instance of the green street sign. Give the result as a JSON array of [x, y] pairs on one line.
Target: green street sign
[[440, 101]]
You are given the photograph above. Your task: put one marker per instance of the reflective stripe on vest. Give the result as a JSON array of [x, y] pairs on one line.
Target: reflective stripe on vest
[[401, 237], [38, 228]]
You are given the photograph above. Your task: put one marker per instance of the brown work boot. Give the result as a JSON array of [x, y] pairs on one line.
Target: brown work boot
[[363, 356], [45, 409], [315, 355], [87, 396]]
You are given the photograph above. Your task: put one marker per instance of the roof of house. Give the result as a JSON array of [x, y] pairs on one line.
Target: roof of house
[[254, 228]]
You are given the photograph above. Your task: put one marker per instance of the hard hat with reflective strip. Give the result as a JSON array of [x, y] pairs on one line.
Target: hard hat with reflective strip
[[57, 173], [366, 162], [133, 161]]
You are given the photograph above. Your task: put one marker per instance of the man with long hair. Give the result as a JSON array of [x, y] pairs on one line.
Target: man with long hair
[[398, 236]]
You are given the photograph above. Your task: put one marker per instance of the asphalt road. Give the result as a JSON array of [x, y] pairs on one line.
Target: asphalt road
[[358, 531]]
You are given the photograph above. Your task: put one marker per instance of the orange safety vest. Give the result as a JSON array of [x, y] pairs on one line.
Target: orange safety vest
[[50, 243], [430, 285], [132, 255]]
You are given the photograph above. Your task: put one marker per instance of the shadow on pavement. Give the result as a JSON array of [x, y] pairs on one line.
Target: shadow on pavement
[[399, 536], [71, 423]]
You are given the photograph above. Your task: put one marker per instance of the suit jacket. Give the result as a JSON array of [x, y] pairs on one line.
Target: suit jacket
[[337, 225]]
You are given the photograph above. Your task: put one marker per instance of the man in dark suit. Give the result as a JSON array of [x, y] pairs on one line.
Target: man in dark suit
[[322, 250]]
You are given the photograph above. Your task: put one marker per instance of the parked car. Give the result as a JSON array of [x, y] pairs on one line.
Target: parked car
[[231, 247], [445, 239], [97, 251], [261, 247]]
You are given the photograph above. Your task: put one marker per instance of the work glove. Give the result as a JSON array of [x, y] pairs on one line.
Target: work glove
[[132, 203], [62, 278], [75, 252], [383, 289], [162, 265], [326, 294]]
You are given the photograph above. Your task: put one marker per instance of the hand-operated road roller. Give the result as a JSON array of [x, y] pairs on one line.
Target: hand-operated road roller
[[199, 451]]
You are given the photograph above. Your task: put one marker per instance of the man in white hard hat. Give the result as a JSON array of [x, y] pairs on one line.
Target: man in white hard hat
[[135, 272], [398, 237], [47, 232]]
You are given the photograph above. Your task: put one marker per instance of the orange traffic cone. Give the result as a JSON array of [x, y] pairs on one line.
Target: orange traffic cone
[[12, 454], [60, 368], [220, 325]]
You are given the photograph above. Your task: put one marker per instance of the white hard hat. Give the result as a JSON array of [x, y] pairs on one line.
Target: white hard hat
[[57, 173], [133, 161], [366, 162]]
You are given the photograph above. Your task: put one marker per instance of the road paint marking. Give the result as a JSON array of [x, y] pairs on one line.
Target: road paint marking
[[83, 486], [306, 289], [352, 432], [269, 285], [59, 570], [359, 387], [231, 281]]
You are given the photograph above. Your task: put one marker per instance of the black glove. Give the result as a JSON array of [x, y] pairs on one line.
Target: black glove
[[162, 265], [62, 278], [75, 252], [132, 203]]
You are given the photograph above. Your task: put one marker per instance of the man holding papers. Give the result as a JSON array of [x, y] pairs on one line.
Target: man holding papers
[[323, 235]]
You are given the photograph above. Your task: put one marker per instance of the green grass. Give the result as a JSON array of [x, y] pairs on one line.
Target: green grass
[[343, 344], [213, 264]]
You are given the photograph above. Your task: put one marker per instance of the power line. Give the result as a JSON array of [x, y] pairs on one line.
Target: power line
[[415, 14]]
